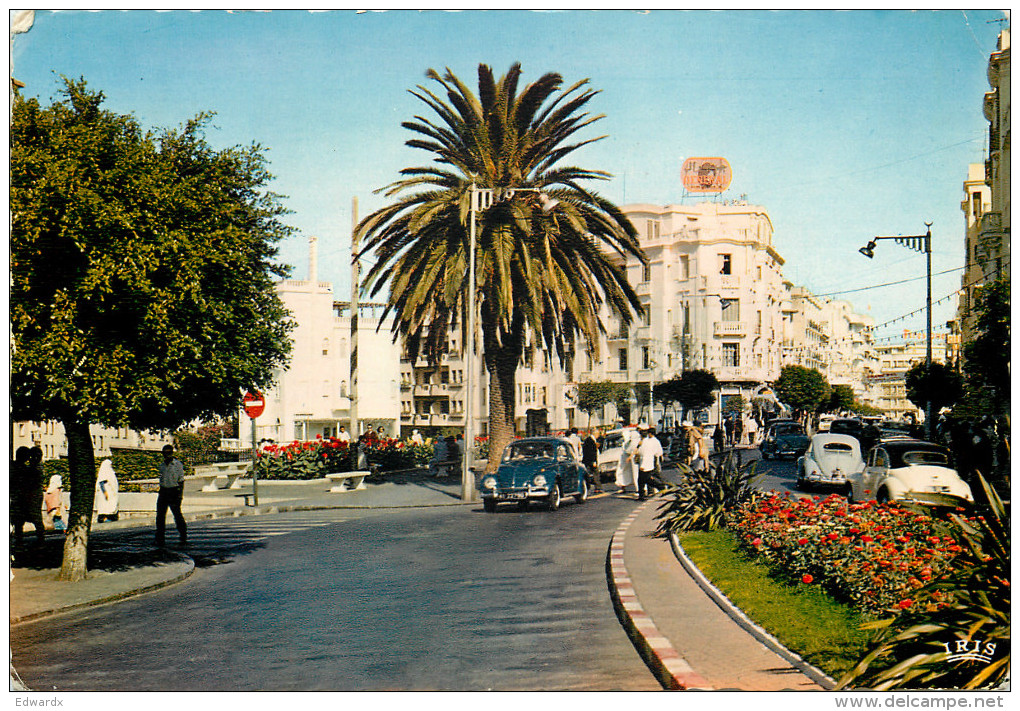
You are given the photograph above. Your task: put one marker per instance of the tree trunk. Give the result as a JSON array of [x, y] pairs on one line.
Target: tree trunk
[[82, 484], [501, 364]]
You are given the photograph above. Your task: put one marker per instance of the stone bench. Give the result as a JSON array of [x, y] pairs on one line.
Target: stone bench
[[226, 474], [339, 481]]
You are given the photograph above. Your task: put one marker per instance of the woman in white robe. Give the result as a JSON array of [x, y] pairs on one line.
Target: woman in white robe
[[107, 505], [627, 467]]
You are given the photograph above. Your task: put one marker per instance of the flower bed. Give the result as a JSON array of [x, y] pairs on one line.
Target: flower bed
[[872, 556], [316, 458]]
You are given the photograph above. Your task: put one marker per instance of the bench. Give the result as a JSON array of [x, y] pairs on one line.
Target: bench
[[225, 473], [339, 480], [445, 467], [249, 499]]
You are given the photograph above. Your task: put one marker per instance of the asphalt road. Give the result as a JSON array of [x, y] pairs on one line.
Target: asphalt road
[[421, 599]]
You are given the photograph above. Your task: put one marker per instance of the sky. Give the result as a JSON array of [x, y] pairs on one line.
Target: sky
[[843, 125]]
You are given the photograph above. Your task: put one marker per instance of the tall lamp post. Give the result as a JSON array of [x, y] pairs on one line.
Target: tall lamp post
[[481, 199], [918, 243]]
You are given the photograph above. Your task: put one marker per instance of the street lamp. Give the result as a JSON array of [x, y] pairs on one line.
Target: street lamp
[[481, 199], [918, 243]]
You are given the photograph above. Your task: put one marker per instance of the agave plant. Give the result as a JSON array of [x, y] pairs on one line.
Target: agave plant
[[701, 501], [965, 646]]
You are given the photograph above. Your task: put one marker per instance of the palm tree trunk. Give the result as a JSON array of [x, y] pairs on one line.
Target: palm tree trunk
[[501, 361], [82, 476]]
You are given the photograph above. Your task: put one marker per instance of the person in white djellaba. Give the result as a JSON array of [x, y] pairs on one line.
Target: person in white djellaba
[[107, 506], [627, 467]]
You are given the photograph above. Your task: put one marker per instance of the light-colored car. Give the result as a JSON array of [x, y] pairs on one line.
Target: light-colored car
[[609, 451], [908, 470], [824, 422], [829, 460]]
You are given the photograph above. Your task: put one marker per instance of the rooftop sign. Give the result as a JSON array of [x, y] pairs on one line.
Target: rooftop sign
[[706, 175]]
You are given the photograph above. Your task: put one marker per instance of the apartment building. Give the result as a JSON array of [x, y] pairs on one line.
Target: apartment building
[[887, 387], [975, 205], [50, 438], [993, 237], [312, 396]]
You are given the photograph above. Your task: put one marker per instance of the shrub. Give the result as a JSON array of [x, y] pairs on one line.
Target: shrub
[[701, 501], [875, 557], [321, 456]]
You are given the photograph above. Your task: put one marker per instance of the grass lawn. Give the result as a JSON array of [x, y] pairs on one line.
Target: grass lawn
[[803, 617]]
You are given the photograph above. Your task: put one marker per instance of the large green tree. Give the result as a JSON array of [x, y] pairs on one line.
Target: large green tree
[[941, 385], [543, 276], [142, 279], [694, 390], [593, 396], [986, 363], [803, 389]]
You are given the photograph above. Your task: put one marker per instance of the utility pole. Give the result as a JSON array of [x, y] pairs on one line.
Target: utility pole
[[355, 289]]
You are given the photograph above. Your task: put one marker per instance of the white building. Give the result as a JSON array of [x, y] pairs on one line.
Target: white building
[[312, 395], [49, 436]]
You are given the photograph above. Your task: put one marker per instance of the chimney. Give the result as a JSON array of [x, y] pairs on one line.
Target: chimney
[[313, 261]]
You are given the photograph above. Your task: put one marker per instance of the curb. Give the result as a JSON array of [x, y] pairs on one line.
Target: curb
[[745, 622], [116, 597], [671, 670]]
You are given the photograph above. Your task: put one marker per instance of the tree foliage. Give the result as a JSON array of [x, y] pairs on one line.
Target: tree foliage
[[841, 398], [542, 276], [803, 389], [142, 277], [694, 389], [941, 384], [592, 397], [986, 358]]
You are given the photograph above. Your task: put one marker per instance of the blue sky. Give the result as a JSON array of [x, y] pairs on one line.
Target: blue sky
[[844, 125]]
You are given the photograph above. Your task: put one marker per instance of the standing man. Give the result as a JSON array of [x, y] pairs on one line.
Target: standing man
[[171, 493], [344, 435], [590, 460], [649, 452], [575, 441]]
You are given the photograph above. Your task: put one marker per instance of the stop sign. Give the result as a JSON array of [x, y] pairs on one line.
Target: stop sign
[[254, 404]]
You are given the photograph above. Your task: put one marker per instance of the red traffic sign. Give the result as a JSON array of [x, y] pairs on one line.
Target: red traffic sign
[[254, 404]]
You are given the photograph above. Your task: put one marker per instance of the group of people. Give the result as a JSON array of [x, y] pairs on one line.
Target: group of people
[[43, 507], [640, 461], [446, 454]]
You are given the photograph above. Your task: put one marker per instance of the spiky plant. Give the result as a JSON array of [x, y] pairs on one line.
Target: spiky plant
[[964, 646], [701, 500]]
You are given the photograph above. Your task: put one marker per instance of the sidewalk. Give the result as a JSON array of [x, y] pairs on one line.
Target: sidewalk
[[688, 640]]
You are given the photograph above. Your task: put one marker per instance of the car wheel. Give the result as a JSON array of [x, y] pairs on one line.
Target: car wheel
[[489, 505], [848, 492], [582, 495], [764, 455], [883, 496], [554, 497]]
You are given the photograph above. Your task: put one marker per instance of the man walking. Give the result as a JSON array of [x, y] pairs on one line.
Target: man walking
[[590, 460], [649, 452], [171, 493]]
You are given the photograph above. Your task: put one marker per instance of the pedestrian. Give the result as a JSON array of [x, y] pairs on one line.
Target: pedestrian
[[53, 501], [728, 424], [343, 435], [752, 431], [738, 429], [719, 438], [107, 506], [590, 460], [454, 450], [437, 465], [699, 449], [416, 437], [575, 441], [171, 494], [26, 496], [650, 455], [627, 466]]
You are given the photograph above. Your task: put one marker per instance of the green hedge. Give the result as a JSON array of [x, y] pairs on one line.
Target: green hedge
[[129, 464]]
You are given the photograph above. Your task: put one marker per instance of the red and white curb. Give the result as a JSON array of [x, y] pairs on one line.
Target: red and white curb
[[669, 667]]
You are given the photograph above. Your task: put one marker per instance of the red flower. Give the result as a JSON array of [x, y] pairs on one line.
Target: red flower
[[802, 542], [904, 604], [756, 542], [807, 579]]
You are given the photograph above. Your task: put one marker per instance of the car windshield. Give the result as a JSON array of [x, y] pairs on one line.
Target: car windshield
[[785, 430], [519, 451], [913, 459], [611, 441]]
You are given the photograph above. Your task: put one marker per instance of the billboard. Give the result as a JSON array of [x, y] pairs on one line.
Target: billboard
[[706, 175]]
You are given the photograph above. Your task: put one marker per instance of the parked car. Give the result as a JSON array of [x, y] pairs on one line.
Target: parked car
[[829, 460], [784, 438], [609, 453], [846, 425], [908, 470], [536, 468], [824, 421]]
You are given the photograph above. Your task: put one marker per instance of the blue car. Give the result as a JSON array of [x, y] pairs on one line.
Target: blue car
[[536, 469]]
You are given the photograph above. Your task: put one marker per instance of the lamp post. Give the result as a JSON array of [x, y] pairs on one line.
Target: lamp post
[[481, 199], [918, 243]]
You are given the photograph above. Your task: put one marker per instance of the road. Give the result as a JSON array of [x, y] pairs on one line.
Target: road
[[420, 599]]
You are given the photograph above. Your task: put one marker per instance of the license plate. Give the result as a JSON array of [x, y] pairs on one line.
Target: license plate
[[515, 495]]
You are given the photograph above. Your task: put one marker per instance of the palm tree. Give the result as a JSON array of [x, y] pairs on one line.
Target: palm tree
[[543, 278]]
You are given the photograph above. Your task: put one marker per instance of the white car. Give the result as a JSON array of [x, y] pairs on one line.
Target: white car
[[908, 470], [609, 451], [830, 460], [824, 422]]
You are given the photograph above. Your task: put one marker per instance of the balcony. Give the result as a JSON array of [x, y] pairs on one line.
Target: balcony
[[729, 281], [732, 329]]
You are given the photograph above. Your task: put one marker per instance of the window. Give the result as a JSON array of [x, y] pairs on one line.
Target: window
[[685, 267], [646, 314], [730, 309], [977, 205], [622, 354], [652, 229], [646, 271], [725, 264], [646, 358], [731, 355], [687, 318]]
